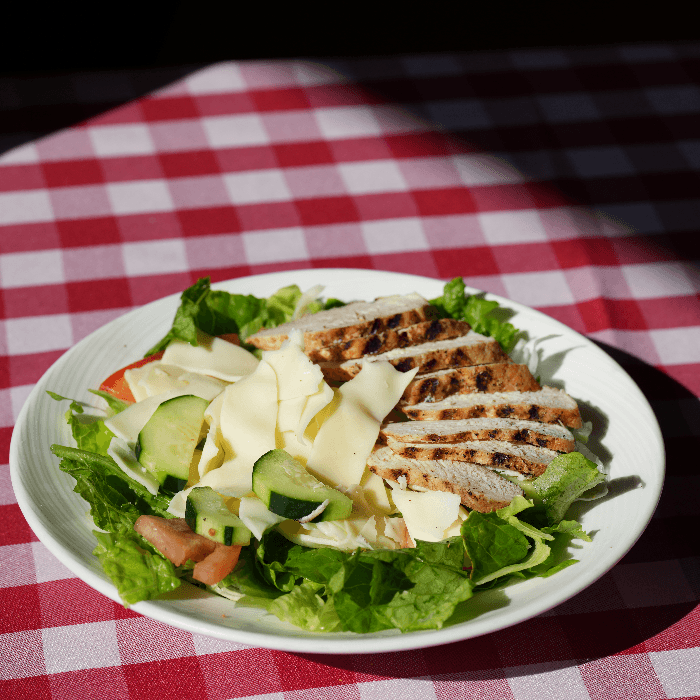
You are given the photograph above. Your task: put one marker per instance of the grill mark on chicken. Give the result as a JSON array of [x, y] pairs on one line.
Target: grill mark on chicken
[[404, 365], [482, 380], [433, 330], [393, 321], [373, 345]]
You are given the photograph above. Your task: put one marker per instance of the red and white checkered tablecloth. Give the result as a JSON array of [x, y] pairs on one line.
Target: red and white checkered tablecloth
[[565, 179]]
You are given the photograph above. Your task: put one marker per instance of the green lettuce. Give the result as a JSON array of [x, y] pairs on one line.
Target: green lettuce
[[136, 573], [217, 312], [477, 312], [567, 477], [364, 591], [89, 431], [115, 499], [500, 544]]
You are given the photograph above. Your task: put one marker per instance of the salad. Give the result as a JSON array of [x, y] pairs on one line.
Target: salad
[[360, 571]]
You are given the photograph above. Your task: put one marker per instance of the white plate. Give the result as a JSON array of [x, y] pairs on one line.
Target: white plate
[[626, 433]]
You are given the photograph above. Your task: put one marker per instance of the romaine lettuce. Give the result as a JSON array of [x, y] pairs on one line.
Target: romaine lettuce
[[217, 312], [476, 311]]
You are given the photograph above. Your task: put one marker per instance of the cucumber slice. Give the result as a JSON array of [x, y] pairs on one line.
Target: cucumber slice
[[206, 514], [167, 442], [287, 489]]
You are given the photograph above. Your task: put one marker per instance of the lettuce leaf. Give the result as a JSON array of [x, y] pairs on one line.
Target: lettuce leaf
[[115, 499], [217, 312], [136, 573], [89, 431], [306, 608], [365, 591], [477, 312], [567, 477], [500, 544]]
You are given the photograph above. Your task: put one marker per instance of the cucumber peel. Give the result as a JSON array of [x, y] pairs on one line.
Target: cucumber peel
[[282, 483]]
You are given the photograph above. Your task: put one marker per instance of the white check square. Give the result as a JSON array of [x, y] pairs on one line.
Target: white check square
[[539, 288], [154, 257], [38, 334], [121, 140], [394, 236], [486, 170], [547, 681], [236, 130], [16, 565], [46, 566], [346, 122], [678, 671], [281, 245], [257, 186], [22, 655], [75, 647], [25, 206], [221, 77], [30, 269], [139, 197], [660, 279], [503, 227], [22, 155], [677, 345], [374, 176]]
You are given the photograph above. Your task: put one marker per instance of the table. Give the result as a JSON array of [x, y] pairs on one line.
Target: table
[[566, 179]]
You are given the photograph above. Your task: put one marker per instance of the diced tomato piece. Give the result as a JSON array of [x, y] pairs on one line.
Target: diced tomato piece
[[116, 384], [218, 565], [174, 539]]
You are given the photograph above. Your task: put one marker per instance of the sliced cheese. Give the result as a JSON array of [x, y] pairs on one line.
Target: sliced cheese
[[351, 426], [427, 514], [127, 424], [256, 517], [296, 374], [211, 356], [159, 377], [212, 450], [247, 421], [125, 458]]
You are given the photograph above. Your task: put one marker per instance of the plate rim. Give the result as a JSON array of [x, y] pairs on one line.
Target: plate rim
[[331, 643]]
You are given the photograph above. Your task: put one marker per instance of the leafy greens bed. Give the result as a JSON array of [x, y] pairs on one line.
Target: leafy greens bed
[[325, 589]]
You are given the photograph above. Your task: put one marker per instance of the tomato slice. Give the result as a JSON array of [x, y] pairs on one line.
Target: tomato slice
[[116, 384]]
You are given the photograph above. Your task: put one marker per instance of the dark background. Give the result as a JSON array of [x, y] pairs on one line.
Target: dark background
[[81, 36]]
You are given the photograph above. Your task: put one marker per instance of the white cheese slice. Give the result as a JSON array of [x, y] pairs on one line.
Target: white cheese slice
[[348, 434], [127, 424], [256, 517], [125, 458], [288, 442], [158, 377], [247, 422], [212, 356], [427, 514], [296, 374], [212, 450]]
